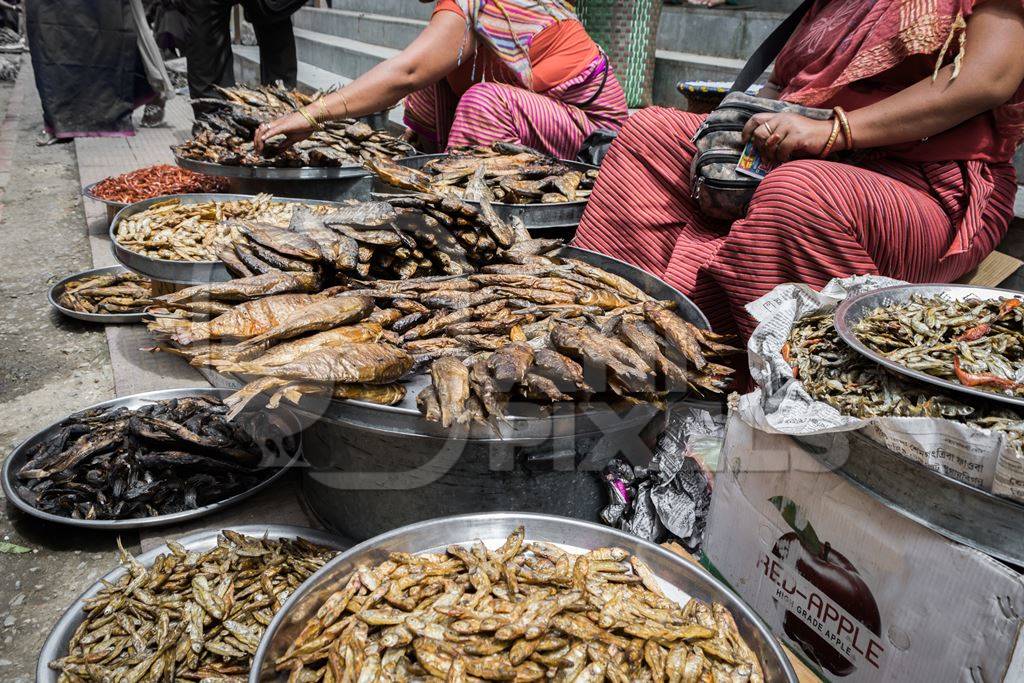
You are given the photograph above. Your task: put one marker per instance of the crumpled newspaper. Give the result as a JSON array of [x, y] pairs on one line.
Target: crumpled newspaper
[[979, 457], [668, 498]]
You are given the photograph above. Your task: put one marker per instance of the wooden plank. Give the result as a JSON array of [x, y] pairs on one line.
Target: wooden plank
[[803, 674], [992, 271]]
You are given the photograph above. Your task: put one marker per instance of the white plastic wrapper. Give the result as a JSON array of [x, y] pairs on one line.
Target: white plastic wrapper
[[979, 457]]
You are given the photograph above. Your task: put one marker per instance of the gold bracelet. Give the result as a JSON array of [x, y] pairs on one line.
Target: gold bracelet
[[323, 108], [313, 122], [831, 139], [344, 100], [844, 122]]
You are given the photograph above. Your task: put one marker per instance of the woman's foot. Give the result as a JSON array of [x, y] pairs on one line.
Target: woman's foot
[[47, 138], [152, 115]]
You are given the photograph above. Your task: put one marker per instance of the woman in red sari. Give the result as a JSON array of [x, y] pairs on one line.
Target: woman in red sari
[[922, 189]]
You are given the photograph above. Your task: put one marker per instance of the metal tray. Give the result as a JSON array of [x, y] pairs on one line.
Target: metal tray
[[856, 307], [405, 417], [180, 272], [112, 206], [56, 644], [960, 512], [536, 217], [17, 458], [272, 173], [680, 577], [105, 318]]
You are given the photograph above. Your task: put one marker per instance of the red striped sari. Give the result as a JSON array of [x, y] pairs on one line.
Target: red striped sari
[[927, 212]]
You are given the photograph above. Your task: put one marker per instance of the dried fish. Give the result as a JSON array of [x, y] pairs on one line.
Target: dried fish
[[521, 611], [190, 615], [125, 292], [164, 457]]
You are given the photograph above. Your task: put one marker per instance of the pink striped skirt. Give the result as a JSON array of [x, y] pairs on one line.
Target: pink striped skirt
[[810, 220], [555, 122]]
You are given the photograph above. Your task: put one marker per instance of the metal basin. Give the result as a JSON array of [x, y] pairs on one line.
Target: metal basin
[[180, 272], [681, 579], [56, 645], [372, 468], [18, 457], [542, 220], [112, 206]]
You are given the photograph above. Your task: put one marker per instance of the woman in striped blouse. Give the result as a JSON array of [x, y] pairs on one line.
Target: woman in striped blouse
[[482, 71]]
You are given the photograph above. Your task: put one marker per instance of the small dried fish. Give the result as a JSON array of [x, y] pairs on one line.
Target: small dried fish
[[125, 292]]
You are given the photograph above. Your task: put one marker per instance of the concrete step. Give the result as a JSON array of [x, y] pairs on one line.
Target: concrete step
[[401, 9], [311, 78], [714, 32], [350, 58], [376, 29]]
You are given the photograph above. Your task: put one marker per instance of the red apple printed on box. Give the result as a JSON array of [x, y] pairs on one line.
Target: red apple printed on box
[[831, 614]]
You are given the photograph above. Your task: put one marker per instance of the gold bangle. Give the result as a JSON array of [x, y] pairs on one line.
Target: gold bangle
[[831, 139], [323, 108], [313, 122], [844, 122], [344, 101]]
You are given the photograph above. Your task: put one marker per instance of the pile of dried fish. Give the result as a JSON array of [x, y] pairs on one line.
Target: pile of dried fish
[[406, 238], [978, 343], [528, 326], [523, 612], [125, 292], [224, 132], [177, 231], [833, 372], [513, 174], [191, 616], [165, 457]]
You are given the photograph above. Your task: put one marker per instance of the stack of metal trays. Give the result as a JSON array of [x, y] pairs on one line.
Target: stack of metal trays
[[952, 508], [181, 272], [679, 579], [542, 220]]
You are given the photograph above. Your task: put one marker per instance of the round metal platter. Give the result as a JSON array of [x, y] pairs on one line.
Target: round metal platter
[[56, 644], [272, 173], [405, 417], [681, 579], [17, 458], [181, 272], [536, 217], [87, 191], [853, 309], [104, 318]]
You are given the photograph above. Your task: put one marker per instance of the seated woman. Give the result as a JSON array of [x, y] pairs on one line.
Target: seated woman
[[484, 71], [922, 190]]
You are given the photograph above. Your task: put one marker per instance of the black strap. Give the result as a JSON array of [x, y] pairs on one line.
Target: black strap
[[767, 51]]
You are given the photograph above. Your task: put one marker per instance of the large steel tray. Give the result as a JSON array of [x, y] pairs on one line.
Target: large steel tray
[[856, 307], [680, 578], [104, 318], [180, 272], [539, 218], [17, 458], [569, 419], [271, 172], [56, 644]]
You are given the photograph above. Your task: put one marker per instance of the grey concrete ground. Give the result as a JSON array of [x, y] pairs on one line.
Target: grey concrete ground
[[49, 366]]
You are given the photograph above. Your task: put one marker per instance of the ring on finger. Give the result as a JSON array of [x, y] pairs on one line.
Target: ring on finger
[[767, 127]]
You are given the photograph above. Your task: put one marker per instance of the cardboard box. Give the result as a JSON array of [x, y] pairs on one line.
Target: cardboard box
[[859, 591]]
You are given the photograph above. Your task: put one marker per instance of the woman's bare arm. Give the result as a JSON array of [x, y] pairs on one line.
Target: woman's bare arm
[[433, 55], [991, 72]]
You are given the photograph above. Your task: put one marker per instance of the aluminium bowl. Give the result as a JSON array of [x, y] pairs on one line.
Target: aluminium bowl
[[18, 457], [680, 577], [104, 318], [56, 644]]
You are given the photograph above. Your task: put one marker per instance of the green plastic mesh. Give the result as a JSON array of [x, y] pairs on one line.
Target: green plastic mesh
[[627, 30]]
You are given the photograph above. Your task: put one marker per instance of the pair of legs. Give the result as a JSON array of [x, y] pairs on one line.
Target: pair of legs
[[555, 122], [810, 220], [208, 48]]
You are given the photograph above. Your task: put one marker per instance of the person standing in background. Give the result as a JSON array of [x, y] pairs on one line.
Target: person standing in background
[[208, 42]]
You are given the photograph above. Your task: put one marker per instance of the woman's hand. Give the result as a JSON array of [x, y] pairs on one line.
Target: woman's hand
[[780, 137], [293, 126]]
